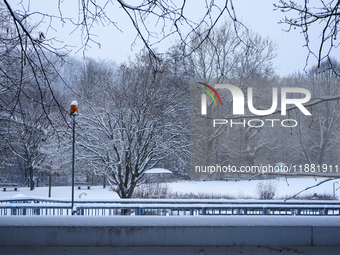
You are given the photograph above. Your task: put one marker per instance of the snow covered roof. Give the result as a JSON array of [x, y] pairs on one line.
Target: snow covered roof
[[158, 171]]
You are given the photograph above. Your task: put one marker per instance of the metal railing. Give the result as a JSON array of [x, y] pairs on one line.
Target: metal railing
[[184, 210], [31, 206]]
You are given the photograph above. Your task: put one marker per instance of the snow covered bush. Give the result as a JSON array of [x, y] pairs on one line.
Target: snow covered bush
[[266, 189]]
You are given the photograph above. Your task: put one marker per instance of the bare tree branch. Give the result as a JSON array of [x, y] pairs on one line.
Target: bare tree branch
[[324, 18], [311, 187]]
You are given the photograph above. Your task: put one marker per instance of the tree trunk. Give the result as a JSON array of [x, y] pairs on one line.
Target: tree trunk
[[31, 178]]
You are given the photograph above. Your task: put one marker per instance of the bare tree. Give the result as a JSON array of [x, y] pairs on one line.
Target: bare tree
[[319, 136], [229, 54], [321, 17], [25, 33], [226, 58], [30, 51]]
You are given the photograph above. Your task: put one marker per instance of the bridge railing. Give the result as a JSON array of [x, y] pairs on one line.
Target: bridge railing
[[170, 201], [167, 207]]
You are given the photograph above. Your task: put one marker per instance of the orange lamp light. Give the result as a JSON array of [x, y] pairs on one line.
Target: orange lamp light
[[74, 108]]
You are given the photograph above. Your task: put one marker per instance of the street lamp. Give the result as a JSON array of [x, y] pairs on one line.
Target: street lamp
[[74, 113]]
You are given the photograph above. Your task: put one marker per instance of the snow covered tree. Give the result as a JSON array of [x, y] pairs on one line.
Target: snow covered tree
[[319, 135], [140, 119], [24, 121], [27, 129]]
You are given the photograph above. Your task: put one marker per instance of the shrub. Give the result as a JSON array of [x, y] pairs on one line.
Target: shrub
[[266, 189]]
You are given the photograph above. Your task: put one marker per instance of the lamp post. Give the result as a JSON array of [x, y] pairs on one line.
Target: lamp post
[[74, 113]]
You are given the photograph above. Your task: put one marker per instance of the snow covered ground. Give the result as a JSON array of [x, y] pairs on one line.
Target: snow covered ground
[[248, 189], [240, 189], [95, 193]]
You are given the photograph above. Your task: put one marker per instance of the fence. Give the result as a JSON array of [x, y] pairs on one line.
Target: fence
[[166, 207]]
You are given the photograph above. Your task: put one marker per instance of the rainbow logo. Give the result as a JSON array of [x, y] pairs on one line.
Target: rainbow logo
[[209, 93]]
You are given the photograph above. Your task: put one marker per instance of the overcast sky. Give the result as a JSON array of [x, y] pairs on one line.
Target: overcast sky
[[117, 45], [257, 15]]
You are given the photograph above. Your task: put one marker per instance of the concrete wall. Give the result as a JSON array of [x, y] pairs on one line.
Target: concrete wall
[[57, 231]]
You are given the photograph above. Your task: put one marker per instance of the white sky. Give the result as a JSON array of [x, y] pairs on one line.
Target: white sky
[[115, 45], [261, 18]]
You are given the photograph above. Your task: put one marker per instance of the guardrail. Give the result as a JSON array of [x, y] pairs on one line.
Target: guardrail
[[285, 234], [32, 206]]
